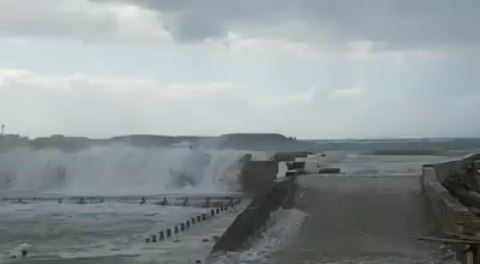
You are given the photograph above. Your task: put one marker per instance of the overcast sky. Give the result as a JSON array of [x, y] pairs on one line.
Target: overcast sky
[[305, 68]]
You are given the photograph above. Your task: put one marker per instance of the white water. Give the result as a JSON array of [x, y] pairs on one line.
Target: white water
[[280, 229], [119, 169]]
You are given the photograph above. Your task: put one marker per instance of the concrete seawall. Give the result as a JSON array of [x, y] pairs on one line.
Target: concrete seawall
[[451, 216], [257, 176], [256, 215], [446, 209]]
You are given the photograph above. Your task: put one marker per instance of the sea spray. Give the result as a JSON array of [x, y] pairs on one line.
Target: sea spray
[[120, 169]]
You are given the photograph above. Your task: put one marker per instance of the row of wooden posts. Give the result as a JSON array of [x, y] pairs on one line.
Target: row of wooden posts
[[181, 227], [143, 200], [186, 201]]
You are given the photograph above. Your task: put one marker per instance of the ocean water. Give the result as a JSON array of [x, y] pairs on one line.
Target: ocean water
[[76, 231]]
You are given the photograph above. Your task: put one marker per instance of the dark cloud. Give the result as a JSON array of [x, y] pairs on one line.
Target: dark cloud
[[397, 24], [192, 27]]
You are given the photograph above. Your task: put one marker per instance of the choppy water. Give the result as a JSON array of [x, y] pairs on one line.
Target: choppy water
[[74, 231]]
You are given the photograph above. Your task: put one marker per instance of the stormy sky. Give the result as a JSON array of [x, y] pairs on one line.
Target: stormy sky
[[305, 68]]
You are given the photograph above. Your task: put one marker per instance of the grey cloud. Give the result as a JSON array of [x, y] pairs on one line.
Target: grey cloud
[[392, 24], [397, 24]]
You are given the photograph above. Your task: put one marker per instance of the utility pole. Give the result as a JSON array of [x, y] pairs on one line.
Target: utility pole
[[3, 130]]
